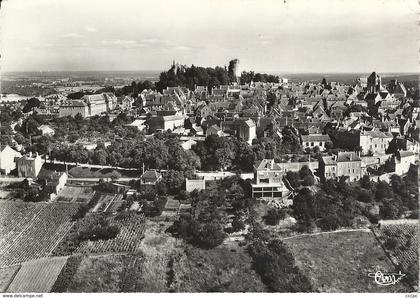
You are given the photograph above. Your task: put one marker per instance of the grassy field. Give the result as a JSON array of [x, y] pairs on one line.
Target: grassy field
[[6, 276], [215, 270], [37, 276], [79, 172], [158, 248], [341, 261], [99, 274]]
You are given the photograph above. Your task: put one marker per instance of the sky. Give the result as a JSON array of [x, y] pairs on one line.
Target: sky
[[290, 36]]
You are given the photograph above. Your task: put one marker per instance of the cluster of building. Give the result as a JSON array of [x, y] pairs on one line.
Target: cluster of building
[[379, 122]]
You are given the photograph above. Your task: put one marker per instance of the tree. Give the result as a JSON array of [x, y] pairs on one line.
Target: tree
[[293, 178], [308, 181], [237, 224], [32, 103], [304, 171], [210, 235]]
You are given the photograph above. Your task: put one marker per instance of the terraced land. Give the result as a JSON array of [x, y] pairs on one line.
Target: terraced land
[[37, 276], [128, 239], [32, 230]]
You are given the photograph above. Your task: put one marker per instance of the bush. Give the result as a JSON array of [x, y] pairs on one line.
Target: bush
[[237, 224], [308, 181], [274, 216], [391, 243]]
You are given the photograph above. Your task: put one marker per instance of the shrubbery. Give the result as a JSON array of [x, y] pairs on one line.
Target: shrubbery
[[276, 266]]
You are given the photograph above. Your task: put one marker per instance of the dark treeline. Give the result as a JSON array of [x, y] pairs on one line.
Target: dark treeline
[[194, 76], [247, 77], [191, 76]]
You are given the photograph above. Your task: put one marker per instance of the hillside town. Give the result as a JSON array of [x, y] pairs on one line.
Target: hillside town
[[215, 158]]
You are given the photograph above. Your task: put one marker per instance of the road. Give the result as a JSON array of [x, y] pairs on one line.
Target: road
[[86, 165]]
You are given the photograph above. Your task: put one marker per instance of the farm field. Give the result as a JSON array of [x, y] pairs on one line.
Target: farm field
[[37, 276], [76, 194], [400, 239], [341, 261], [32, 230], [128, 239], [107, 202], [6, 276]]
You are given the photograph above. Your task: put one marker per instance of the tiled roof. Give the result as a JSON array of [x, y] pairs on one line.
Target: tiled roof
[[316, 138], [347, 156]]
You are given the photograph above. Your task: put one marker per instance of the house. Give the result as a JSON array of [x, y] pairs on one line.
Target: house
[[138, 123], [46, 130], [404, 126], [328, 167], [373, 99], [214, 130], [374, 142], [149, 180], [126, 103], [73, 108], [204, 111], [346, 164], [186, 145], [244, 129], [349, 165], [8, 157], [315, 140], [268, 182], [29, 165], [192, 184], [402, 161], [89, 105], [100, 103], [197, 130], [55, 182], [164, 123]]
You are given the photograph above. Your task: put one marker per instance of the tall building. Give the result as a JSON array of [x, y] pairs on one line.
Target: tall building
[[233, 70], [374, 83]]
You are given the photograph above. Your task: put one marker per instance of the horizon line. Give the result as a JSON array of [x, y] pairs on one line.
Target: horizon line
[[255, 71]]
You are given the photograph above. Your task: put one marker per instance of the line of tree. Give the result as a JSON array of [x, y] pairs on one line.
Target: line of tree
[[191, 76], [248, 77]]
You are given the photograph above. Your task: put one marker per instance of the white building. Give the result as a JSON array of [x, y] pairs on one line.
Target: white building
[[315, 140], [46, 130], [8, 158]]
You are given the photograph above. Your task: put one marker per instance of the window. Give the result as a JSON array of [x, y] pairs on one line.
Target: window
[[265, 180], [312, 143]]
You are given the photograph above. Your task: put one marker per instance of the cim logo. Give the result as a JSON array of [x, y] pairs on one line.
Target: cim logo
[[386, 279]]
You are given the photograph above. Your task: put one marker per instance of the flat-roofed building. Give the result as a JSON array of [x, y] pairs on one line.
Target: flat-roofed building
[[268, 183]]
